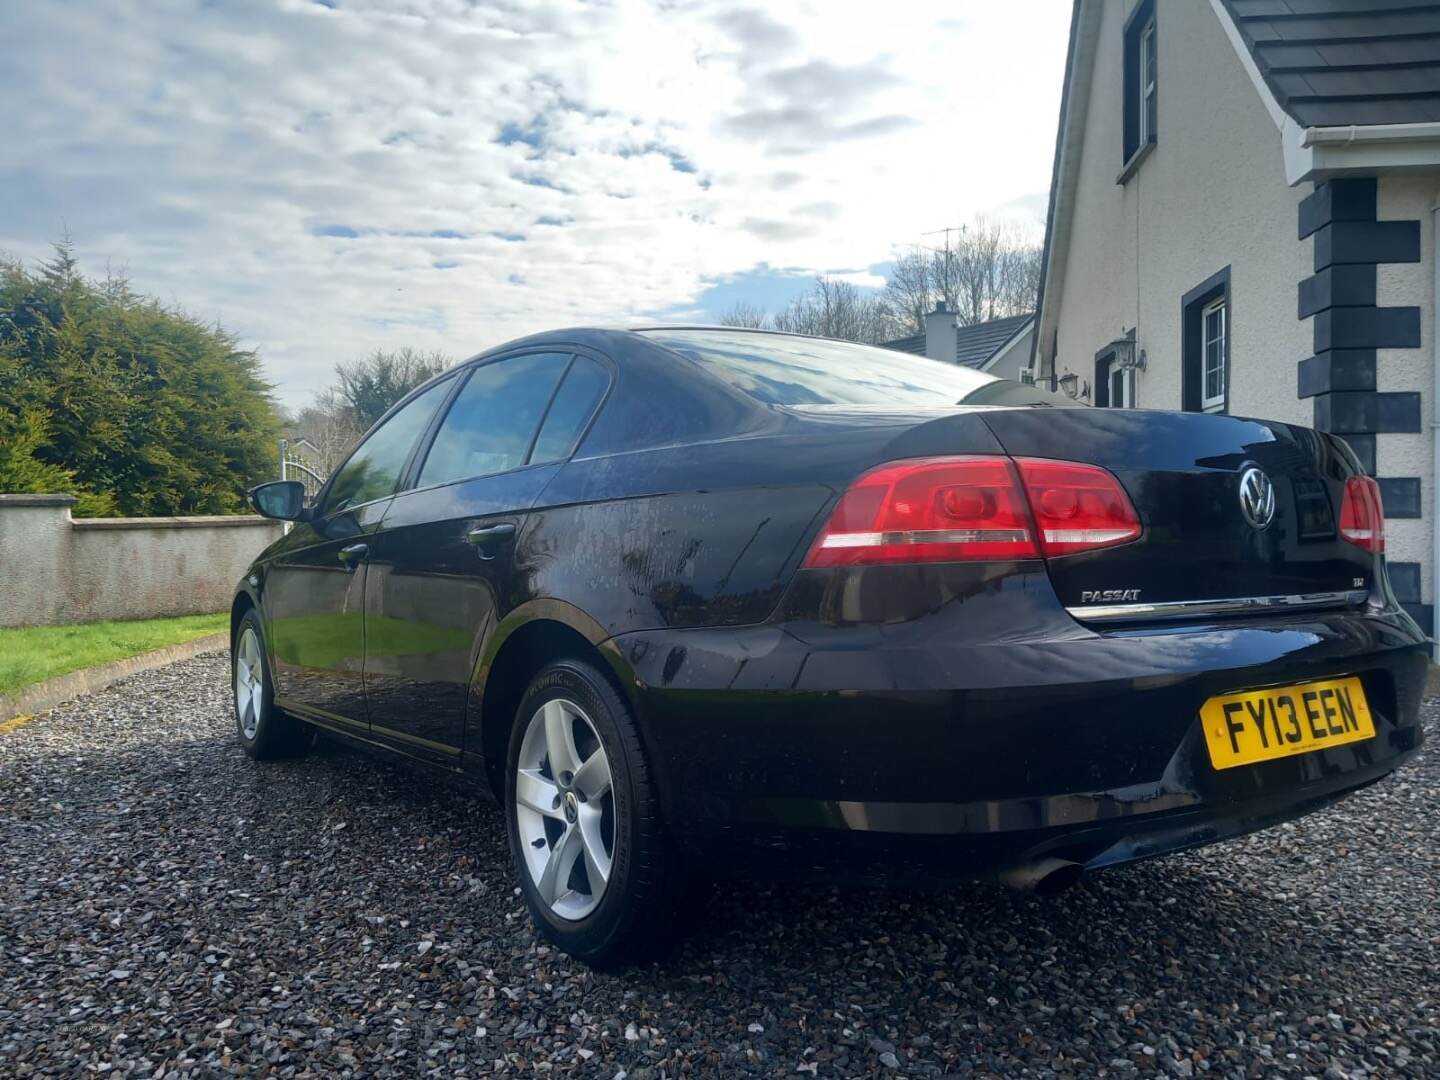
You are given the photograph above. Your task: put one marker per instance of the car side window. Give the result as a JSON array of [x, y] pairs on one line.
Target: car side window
[[373, 470], [574, 403], [492, 420]]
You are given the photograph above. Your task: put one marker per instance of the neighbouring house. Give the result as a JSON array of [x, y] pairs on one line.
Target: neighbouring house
[[1000, 346], [1243, 219]]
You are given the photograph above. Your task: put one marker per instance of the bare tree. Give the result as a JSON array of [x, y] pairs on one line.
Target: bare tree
[[835, 309], [909, 293], [828, 308], [745, 315], [328, 424], [985, 270], [1020, 278], [977, 270]]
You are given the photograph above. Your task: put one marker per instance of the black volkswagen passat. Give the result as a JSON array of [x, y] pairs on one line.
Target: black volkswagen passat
[[692, 601]]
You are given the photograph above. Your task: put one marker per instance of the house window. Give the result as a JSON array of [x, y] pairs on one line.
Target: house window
[[1212, 348], [1147, 83], [1206, 332], [1122, 388], [1141, 82], [1114, 383]]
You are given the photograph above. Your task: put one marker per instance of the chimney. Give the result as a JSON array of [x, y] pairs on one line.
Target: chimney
[[940, 334]]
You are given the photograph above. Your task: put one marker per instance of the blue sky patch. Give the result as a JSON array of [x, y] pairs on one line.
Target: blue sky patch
[[764, 287], [678, 161], [345, 232], [531, 135]]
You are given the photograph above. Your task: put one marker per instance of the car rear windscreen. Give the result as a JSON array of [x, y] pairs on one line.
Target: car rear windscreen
[[781, 369]]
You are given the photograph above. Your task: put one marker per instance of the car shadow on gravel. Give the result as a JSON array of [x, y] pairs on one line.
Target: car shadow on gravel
[[1216, 905], [164, 900], [1171, 924]]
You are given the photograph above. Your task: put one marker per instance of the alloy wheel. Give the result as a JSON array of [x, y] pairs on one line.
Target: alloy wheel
[[565, 809], [249, 682]]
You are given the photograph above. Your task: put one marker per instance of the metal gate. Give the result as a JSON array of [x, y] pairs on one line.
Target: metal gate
[[293, 465]]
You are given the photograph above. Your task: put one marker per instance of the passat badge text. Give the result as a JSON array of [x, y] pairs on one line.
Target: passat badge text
[[1109, 596]]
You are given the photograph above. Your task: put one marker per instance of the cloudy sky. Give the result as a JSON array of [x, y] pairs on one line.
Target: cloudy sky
[[328, 176]]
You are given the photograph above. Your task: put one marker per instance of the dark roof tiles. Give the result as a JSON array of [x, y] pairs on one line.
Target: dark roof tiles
[[973, 344], [1333, 63], [978, 343], [914, 344], [1322, 7]]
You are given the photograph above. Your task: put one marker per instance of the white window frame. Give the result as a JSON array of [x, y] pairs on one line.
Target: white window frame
[[1109, 373], [1148, 86], [1127, 386], [1213, 402]]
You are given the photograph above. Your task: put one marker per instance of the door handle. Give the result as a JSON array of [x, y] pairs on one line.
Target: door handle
[[484, 534], [352, 554]]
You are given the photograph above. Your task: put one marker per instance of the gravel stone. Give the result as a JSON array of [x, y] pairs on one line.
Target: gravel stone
[[170, 908]]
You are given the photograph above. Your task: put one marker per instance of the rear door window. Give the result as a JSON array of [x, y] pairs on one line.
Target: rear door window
[[494, 418], [571, 410]]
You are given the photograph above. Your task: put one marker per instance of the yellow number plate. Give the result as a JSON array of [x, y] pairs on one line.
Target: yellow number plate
[[1259, 725]]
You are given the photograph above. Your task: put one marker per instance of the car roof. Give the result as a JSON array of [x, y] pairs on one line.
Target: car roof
[[647, 328], [596, 334]]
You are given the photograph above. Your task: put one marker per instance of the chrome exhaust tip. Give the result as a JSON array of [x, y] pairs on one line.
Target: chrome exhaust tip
[[1043, 877]]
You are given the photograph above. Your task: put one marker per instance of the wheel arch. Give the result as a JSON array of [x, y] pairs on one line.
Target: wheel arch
[[533, 635], [242, 603]]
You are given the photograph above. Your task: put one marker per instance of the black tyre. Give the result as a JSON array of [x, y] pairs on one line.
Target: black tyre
[[264, 731], [598, 876]]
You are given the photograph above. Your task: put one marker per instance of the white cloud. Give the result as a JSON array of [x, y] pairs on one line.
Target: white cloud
[[327, 180]]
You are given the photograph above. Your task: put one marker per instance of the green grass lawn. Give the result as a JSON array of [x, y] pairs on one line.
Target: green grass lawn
[[29, 654]]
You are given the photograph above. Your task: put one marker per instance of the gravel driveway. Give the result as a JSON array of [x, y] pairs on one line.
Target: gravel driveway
[[168, 906]]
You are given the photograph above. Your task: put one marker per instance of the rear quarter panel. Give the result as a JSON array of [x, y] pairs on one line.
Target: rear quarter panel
[[710, 532], [678, 536]]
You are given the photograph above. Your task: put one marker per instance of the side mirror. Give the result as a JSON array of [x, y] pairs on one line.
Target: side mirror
[[280, 499]]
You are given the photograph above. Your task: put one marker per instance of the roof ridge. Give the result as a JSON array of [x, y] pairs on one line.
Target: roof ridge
[[1386, 65], [1311, 99], [1374, 65], [1295, 16], [1322, 12], [1346, 39]]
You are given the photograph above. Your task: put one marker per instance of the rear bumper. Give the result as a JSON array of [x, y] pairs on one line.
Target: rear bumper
[[886, 752]]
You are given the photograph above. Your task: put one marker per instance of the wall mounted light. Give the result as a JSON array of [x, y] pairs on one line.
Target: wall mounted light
[[1128, 357]]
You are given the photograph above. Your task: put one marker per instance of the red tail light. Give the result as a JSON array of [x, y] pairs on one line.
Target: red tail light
[[1362, 517], [960, 509], [1077, 507], [928, 510]]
